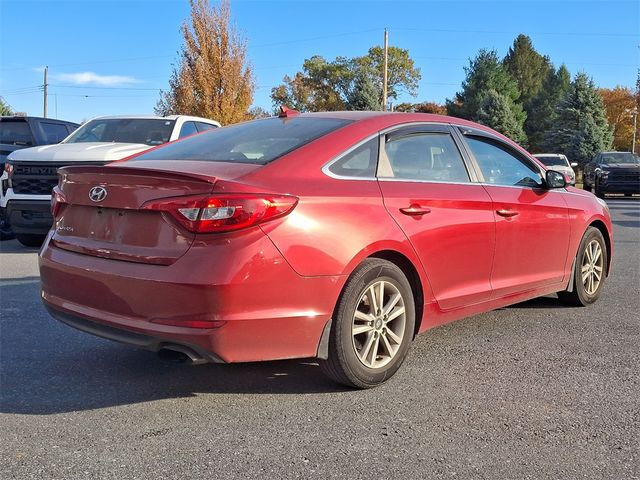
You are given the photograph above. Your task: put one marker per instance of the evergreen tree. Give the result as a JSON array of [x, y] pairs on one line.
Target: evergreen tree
[[4, 108], [484, 74], [543, 107], [580, 129], [528, 68], [496, 112], [363, 93]]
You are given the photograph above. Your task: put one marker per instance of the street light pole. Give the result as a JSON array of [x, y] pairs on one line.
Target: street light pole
[[635, 118]]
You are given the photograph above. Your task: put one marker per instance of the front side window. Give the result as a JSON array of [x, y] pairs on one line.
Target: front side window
[[423, 156], [149, 131], [500, 166], [203, 127], [188, 128], [53, 132], [258, 141], [360, 162]]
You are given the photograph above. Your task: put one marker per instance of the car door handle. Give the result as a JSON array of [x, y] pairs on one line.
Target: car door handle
[[415, 210], [507, 213]]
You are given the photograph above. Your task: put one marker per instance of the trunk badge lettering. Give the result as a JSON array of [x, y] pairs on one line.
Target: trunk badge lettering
[[97, 194]]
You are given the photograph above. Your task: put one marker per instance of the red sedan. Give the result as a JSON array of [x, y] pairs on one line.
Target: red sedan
[[331, 235]]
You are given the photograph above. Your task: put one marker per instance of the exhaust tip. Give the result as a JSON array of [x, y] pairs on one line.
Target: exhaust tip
[[180, 354]]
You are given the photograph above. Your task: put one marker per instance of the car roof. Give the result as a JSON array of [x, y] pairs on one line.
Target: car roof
[[548, 154], [31, 117], [150, 117], [384, 120]]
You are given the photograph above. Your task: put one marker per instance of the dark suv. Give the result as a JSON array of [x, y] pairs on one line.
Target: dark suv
[[17, 132], [613, 172]]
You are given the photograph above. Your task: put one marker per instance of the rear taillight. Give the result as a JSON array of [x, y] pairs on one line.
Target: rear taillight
[[57, 201], [223, 213]]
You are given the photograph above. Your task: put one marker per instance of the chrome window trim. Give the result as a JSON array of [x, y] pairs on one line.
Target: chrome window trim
[[390, 179], [327, 166]]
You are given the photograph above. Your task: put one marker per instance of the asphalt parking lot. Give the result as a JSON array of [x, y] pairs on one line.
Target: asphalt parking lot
[[537, 390]]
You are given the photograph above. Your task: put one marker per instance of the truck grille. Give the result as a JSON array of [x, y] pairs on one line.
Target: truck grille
[[624, 176], [38, 178], [34, 179]]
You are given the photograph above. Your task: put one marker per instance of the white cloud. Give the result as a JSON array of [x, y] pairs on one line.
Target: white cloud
[[91, 78]]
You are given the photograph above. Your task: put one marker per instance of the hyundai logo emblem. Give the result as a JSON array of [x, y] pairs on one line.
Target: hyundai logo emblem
[[97, 194]]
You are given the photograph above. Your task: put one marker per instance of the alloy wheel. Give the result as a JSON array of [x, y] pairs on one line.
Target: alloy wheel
[[592, 267], [379, 324]]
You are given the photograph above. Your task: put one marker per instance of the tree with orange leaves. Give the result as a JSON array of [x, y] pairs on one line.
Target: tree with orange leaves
[[620, 103], [213, 78]]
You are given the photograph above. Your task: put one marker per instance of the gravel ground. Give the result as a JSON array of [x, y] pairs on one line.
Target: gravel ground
[[537, 390]]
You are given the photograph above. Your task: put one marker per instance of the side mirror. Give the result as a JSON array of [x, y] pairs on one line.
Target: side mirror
[[574, 164], [555, 179]]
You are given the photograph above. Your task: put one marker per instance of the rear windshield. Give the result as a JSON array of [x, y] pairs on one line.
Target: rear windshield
[[15, 132], [620, 157], [258, 142], [149, 131], [552, 160]]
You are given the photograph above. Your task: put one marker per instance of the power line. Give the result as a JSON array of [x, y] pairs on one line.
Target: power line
[[106, 88], [497, 32]]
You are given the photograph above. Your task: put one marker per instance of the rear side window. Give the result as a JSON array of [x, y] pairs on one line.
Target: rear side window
[[258, 142], [15, 133], [53, 132], [359, 162], [424, 156], [501, 166]]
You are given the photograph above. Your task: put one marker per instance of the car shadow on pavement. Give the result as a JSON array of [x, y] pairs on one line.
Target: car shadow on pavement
[[47, 367]]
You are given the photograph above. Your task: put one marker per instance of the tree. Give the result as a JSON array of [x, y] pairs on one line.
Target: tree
[[402, 73], [258, 112], [543, 107], [484, 74], [363, 93], [213, 78], [424, 107], [5, 109], [620, 103], [580, 129], [346, 83], [527, 67], [496, 112]]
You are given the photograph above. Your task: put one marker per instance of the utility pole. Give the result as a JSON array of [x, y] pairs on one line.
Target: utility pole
[[46, 87], [635, 126], [385, 79]]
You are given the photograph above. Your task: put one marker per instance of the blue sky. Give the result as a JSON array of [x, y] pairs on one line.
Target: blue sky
[[112, 57]]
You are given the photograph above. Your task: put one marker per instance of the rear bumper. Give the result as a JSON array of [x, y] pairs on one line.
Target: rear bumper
[[265, 310], [136, 339], [29, 216]]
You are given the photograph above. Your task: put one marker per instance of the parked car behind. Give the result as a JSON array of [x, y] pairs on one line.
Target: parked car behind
[[559, 163], [17, 132], [613, 172], [32, 172], [332, 235]]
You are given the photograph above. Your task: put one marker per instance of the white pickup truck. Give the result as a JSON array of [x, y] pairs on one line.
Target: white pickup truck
[[32, 172]]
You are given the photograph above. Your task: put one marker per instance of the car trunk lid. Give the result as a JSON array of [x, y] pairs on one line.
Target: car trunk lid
[[113, 223]]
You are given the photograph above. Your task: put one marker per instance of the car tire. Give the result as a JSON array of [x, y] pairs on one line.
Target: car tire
[[5, 231], [589, 270], [31, 239], [368, 344]]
